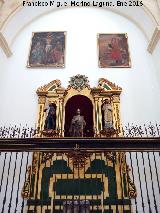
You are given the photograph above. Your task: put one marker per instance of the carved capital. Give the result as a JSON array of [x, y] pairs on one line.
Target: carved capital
[[61, 100], [60, 91], [96, 99], [41, 99], [116, 99]]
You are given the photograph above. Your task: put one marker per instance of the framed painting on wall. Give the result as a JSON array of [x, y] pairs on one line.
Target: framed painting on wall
[[47, 50], [113, 50]]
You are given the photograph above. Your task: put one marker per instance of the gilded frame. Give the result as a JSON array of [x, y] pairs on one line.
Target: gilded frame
[[47, 50], [113, 50]]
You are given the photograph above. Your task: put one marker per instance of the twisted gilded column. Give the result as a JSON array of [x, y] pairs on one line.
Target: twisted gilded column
[[116, 114], [60, 116], [40, 116], [98, 115]]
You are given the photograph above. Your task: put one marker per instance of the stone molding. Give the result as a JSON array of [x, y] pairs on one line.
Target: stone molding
[[4, 45], [154, 40], [11, 7]]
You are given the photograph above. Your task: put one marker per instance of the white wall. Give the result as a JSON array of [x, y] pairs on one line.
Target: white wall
[[23, 15], [140, 100], [156, 58]]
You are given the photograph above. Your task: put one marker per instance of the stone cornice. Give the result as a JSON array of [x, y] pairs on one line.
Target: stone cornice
[[9, 8], [154, 40], [4, 45]]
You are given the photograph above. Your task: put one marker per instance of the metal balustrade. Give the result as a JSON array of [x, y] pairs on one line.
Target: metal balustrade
[[107, 174]]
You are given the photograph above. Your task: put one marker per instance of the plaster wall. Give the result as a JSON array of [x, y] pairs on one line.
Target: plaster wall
[[156, 57], [140, 99]]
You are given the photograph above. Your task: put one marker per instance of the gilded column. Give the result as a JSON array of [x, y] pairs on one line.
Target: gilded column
[[61, 113], [40, 115], [100, 114], [119, 176], [116, 114], [96, 115], [58, 115]]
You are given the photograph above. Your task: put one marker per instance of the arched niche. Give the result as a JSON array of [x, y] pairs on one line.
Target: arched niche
[[86, 107]]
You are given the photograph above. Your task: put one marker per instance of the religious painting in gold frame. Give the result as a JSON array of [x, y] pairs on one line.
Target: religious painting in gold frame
[[47, 50], [113, 51]]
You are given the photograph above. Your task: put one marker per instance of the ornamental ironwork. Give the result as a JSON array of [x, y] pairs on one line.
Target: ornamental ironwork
[[79, 158]]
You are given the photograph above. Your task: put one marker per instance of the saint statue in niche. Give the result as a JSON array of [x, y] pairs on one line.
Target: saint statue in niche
[[107, 108], [77, 125], [50, 122]]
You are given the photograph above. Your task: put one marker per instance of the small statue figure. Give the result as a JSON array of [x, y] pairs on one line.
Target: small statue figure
[[50, 122], [67, 206], [77, 125], [107, 108], [76, 206], [85, 206]]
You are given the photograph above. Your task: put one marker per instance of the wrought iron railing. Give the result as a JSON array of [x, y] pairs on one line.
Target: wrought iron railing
[[107, 174], [128, 130], [143, 165]]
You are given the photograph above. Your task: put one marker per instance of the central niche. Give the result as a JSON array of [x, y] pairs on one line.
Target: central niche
[[85, 105]]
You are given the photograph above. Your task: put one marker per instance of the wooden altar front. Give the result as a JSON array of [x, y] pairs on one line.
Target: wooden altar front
[[101, 178]]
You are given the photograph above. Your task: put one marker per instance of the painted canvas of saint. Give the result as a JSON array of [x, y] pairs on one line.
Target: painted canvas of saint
[[113, 50], [47, 50]]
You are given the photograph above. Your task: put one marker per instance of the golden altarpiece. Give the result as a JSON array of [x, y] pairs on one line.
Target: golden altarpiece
[[56, 181]]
